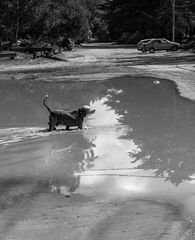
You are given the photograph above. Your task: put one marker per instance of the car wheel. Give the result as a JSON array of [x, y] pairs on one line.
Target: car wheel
[[151, 50], [174, 48]]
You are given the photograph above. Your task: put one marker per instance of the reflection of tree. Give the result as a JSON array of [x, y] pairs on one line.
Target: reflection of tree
[[162, 125], [52, 170], [69, 154]]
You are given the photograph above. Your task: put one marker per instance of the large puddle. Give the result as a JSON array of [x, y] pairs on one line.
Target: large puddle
[[139, 143]]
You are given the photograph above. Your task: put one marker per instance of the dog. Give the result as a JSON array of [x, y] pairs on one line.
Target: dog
[[67, 118]]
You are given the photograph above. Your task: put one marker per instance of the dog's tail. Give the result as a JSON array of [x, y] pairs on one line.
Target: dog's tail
[[44, 103]]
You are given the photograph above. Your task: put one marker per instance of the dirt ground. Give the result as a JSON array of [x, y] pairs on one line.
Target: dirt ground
[[59, 217], [103, 61]]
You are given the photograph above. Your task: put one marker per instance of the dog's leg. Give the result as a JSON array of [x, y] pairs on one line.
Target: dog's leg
[[80, 126], [52, 124]]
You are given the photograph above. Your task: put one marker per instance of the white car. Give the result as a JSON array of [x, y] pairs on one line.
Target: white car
[[157, 44]]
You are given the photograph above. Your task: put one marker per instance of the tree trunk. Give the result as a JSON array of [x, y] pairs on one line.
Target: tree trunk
[[0, 44], [17, 28]]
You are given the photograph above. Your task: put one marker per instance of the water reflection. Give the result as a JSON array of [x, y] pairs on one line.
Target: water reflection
[[44, 165], [141, 129], [162, 125]]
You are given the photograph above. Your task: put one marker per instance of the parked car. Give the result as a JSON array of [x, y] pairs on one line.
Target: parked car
[[157, 44], [187, 44]]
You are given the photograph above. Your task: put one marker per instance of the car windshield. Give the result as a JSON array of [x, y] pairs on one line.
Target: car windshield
[[165, 40], [157, 41], [146, 40]]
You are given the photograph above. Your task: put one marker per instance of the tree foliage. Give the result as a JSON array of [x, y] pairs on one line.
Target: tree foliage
[[46, 19], [104, 19], [147, 18]]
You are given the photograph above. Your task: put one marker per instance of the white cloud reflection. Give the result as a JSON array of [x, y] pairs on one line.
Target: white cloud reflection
[[104, 115], [113, 174], [112, 151]]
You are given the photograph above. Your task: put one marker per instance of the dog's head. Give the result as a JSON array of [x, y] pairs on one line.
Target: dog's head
[[85, 110]]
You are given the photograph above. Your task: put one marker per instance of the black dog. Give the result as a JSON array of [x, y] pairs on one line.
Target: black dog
[[67, 118]]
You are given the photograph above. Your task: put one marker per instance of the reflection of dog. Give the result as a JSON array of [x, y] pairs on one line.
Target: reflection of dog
[[67, 118]]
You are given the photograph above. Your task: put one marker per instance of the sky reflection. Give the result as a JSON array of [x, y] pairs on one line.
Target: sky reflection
[[140, 140]]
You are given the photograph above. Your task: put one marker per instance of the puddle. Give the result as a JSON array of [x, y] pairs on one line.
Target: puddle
[[139, 143]]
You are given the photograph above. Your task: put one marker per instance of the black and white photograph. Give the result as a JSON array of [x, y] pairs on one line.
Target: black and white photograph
[[97, 120]]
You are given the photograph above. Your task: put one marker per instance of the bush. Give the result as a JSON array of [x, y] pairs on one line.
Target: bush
[[134, 38]]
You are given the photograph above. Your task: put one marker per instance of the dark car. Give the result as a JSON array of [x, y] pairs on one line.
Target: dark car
[[157, 44], [187, 44]]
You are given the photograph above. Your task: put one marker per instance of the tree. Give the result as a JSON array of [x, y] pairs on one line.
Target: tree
[[46, 19], [145, 19], [16, 15]]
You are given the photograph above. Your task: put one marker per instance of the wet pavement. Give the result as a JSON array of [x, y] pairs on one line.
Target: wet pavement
[[139, 144]]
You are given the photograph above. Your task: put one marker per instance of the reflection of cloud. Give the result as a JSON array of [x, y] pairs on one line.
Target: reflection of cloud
[[92, 180], [115, 186], [111, 150], [104, 115], [147, 186], [132, 184]]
